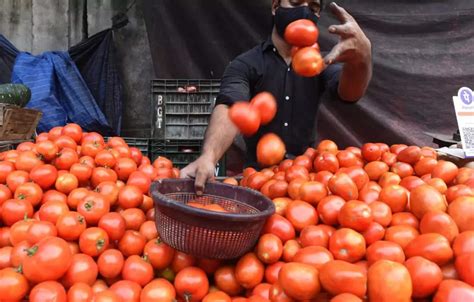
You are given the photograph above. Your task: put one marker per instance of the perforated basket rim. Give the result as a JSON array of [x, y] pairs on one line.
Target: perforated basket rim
[[164, 201]]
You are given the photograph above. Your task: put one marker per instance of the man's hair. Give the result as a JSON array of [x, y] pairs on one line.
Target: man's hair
[[321, 4]]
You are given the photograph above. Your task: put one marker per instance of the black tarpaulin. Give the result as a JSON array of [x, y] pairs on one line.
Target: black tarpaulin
[[95, 58], [8, 53], [422, 54]]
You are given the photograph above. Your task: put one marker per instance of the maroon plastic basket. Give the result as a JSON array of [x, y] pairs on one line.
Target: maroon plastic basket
[[205, 233]]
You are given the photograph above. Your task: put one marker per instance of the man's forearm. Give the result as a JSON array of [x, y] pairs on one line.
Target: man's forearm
[[355, 79], [219, 134]]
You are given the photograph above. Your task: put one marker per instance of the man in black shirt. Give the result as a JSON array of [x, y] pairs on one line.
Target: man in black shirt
[[267, 67]]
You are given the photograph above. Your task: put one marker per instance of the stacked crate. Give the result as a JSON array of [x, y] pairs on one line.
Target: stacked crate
[[180, 115]]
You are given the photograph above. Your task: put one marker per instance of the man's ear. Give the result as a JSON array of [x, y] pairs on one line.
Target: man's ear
[[275, 5]]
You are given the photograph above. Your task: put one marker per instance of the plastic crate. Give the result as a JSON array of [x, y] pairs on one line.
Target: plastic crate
[[177, 114], [181, 152], [143, 144]]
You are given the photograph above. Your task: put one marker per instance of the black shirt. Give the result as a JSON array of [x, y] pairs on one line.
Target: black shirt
[[298, 98]]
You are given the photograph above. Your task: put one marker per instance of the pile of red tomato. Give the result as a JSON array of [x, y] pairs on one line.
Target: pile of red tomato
[[379, 223]]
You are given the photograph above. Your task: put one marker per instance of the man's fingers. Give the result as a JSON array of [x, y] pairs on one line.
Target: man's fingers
[[200, 182], [343, 30], [185, 173], [334, 54], [341, 14]]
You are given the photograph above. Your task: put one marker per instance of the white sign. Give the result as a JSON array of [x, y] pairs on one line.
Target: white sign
[[464, 107]]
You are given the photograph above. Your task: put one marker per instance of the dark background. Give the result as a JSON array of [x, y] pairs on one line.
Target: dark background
[[423, 52]]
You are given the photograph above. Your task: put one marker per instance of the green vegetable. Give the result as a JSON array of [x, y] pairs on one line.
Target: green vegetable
[[15, 94]]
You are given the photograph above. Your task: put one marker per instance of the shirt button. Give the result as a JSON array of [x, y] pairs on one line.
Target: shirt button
[[274, 49], [287, 98], [286, 124], [289, 69]]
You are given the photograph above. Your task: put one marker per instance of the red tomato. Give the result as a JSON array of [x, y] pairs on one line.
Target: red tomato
[[39, 230], [79, 292], [425, 276], [424, 199], [373, 233], [14, 210], [316, 256], [453, 291], [464, 243], [158, 290], [299, 281], [269, 248], [307, 62], [48, 260], [70, 225], [432, 246], [356, 215], [465, 267], [316, 235], [401, 234], [385, 250], [110, 263], [249, 271], [301, 214], [93, 241], [270, 150], [290, 248], [266, 105], [226, 281], [245, 118], [272, 271], [19, 231], [13, 285], [48, 291], [389, 281], [192, 284], [93, 207], [15, 179], [329, 208], [130, 197], [326, 161], [302, 32], [342, 185], [181, 261], [279, 226], [30, 192], [127, 290], [381, 213], [83, 269], [138, 270], [218, 296], [441, 223], [348, 245], [339, 277], [132, 243]]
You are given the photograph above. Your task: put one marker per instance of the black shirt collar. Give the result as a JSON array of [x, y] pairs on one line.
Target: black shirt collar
[[268, 44]]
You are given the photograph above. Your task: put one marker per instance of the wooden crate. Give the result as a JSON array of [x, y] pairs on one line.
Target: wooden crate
[[17, 123]]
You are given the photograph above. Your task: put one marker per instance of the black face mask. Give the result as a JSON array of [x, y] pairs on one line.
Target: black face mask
[[285, 15]]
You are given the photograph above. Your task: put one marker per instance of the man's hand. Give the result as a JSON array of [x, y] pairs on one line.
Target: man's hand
[[202, 170], [353, 45]]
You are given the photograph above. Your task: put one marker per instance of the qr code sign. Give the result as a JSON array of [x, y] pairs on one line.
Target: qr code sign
[[468, 135]]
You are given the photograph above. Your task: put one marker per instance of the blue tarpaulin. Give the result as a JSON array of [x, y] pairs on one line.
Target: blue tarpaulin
[[59, 91]]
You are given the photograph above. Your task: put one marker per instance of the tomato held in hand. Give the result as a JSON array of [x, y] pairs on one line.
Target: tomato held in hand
[[266, 105], [245, 117], [270, 150], [301, 32], [307, 62]]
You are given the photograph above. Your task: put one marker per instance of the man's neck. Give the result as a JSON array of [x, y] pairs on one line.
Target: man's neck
[[284, 49]]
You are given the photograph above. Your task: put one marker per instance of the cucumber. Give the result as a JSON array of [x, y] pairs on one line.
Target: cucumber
[[15, 94]]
